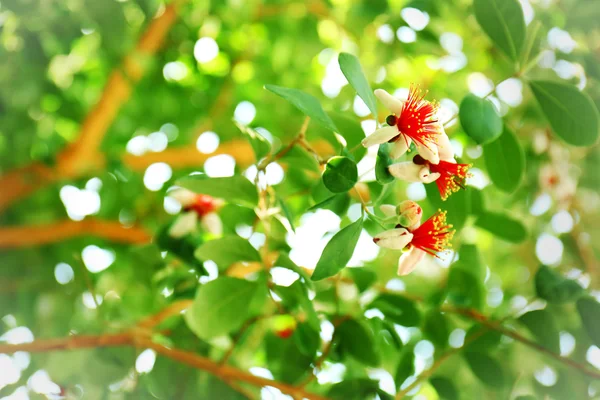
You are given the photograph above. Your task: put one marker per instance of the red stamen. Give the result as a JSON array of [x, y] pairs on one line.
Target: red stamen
[[418, 120], [434, 235], [203, 204], [452, 177]]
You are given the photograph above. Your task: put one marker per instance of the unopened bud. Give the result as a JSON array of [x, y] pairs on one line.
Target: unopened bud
[[284, 325]]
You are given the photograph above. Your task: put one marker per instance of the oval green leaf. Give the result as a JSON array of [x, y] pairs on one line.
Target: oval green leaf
[[589, 311], [479, 119], [338, 251], [503, 21], [406, 366], [235, 189], [505, 161], [554, 288], [306, 103], [542, 326], [445, 388], [571, 113], [340, 174], [486, 369], [350, 66], [398, 309], [227, 250], [502, 226], [357, 340]]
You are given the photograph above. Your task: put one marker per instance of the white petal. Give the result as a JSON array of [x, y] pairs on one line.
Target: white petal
[[211, 222], [445, 150], [390, 102], [381, 135], [430, 153], [409, 261], [184, 224], [395, 239], [388, 210], [399, 147], [183, 196], [406, 170], [426, 176]]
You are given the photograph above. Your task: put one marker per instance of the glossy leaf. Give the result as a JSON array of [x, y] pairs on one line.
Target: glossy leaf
[[505, 161], [357, 339], [503, 21], [437, 328], [572, 114], [554, 288], [227, 250], [338, 251], [502, 226], [465, 281], [589, 311], [352, 70], [542, 326], [235, 189], [340, 174], [306, 103], [480, 119]]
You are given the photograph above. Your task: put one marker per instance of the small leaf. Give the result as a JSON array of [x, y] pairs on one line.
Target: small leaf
[[505, 161], [571, 113], [486, 369], [437, 329], [554, 288], [234, 189], [485, 339], [466, 279], [286, 212], [306, 103], [383, 161], [589, 311], [338, 251], [398, 309], [406, 366], [504, 23], [542, 326], [220, 307], [307, 339], [479, 119], [260, 145], [353, 389], [502, 226], [352, 70], [340, 174], [357, 340], [227, 250], [444, 387]]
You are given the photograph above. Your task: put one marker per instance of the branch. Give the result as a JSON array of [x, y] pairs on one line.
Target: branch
[[173, 309], [83, 154], [34, 235]]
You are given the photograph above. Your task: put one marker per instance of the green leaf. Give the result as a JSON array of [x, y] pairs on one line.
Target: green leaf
[[406, 366], [505, 161], [302, 159], [526, 397], [589, 311], [338, 251], [284, 261], [183, 247], [502, 226], [307, 339], [260, 145], [227, 250], [353, 134], [353, 389], [485, 340], [306, 103], [362, 277], [398, 309], [382, 163], [436, 328], [554, 288], [504, 23], [479, 119], [352, 70], [486, 369], [571, 113], [357, 340], [466, 279], [295, 296], [340, 174], [220, 307], [285, 359], [445, 388], [542, 326], [234, 189], [286, 212], [458, 204]]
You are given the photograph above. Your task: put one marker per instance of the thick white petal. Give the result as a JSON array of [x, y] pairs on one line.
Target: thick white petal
[[426, 176], [395, 239], [390, 102], [430, 153], [388, 210], [184, 224], [406, 170], [409, 260], [211, 222], [183, 196], [445, 150], [399, 147], [381, 135]]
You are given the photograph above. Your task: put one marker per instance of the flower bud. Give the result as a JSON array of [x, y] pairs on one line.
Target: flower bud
[[395, 239], [410, 214], [284, 325]]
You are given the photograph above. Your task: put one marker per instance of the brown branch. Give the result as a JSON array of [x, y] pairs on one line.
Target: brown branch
[[173, 309], [83, 154], [34, 235]]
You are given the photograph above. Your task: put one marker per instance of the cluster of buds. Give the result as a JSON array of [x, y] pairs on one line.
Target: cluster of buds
[[416, 121], [416, 239], [196, 209]]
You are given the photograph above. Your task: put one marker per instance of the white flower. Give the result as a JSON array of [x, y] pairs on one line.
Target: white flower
[[395, 239], [412, 172]]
